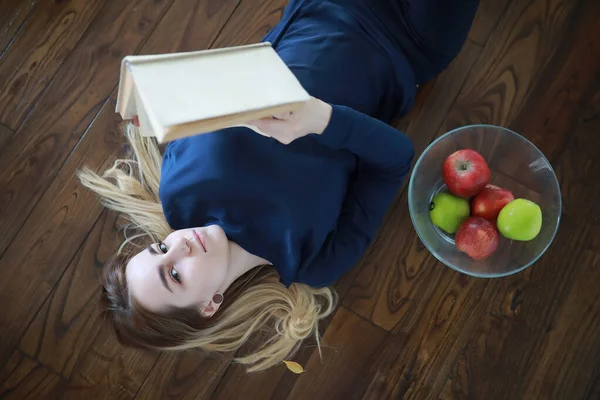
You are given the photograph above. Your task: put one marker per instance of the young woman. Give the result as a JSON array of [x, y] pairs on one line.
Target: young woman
[[242, 233]]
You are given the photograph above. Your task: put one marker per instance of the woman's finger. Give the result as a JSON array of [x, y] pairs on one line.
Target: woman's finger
[[268, 125], [283, 116]]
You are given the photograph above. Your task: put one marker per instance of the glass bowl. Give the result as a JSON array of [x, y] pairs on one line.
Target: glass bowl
[[517, 165]]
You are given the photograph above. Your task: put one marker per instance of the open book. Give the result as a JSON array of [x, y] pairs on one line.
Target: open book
[[182, 94]]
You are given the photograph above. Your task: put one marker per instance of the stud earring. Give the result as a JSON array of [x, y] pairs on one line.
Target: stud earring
[[217, 298]]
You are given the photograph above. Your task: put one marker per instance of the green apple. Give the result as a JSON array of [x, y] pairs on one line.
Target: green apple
[[520, 219], [447, 211]]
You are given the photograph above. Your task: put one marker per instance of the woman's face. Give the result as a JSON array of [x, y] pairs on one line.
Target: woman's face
[[186, 269]]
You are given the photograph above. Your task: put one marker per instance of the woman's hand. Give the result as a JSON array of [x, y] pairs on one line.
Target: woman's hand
[[312, 118]]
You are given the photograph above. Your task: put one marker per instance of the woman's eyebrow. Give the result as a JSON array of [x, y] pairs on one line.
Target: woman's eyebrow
[[152, 250], [161, 269], [161, 273]]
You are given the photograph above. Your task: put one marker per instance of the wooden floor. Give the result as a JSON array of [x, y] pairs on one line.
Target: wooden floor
[[408, 327]]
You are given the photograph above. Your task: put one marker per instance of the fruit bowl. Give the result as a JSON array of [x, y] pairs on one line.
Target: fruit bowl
[[515, 164]]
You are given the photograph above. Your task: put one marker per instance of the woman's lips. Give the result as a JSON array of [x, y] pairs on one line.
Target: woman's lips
[[199, 239]]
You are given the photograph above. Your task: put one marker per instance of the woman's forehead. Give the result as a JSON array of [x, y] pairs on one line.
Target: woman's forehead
[[143, 280]]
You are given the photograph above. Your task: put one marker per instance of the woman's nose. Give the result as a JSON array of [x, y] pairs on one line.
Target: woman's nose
[[182, 247]]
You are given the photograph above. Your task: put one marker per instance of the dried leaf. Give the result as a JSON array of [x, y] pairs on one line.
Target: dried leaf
[[294, 367]]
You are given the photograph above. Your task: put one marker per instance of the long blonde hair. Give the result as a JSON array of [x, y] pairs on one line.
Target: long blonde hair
[[256, 303]]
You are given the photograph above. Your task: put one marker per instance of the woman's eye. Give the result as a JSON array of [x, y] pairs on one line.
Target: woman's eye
[[162, 247], [175, 275]]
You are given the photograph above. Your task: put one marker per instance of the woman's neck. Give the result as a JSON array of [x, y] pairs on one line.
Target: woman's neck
[[240, 262]]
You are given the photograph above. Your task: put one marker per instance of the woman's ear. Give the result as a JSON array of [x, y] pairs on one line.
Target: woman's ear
[[211, 308], [208, 310]]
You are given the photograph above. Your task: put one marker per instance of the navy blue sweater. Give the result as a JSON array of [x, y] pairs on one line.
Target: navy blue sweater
[[312, 207]]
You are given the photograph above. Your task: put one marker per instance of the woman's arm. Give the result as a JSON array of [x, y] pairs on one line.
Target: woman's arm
[[385, 156], [384, 159]]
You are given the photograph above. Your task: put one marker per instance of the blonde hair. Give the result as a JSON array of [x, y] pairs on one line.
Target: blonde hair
[[256, 303]]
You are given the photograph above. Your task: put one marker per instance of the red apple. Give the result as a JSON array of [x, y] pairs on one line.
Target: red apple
[[477, 237], [465, 172], [490, 201]]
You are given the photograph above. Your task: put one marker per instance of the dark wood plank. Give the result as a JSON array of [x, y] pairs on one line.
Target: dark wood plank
[[264, 16], [189, 26], [35, 261], [12, 15], [488, 15], [52, 335], [67, 107], [53, 234], [109, 371], [556, 102], [43, 44], [25, 378], [565, 359], [186, 375], [68, 322], [412, 362], [67, 212], [525, 41], [344, 371], [514, 330], [5, 134]]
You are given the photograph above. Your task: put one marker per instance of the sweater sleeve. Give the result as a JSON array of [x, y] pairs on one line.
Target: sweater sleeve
[[384, 158]]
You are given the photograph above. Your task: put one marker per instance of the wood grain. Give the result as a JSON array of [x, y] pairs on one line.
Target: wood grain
[[109, 371], [189, 26], [524, 42], [185, 375], [68, 106], [68, 321], [53, 234], [12, 15], [409, 327], [24, 378], [548, 345], [5, 134], [398, 232], [411, 367], [67, 211], [263, 17], [509, 334], [514, 334], [559, 98], [345, 369], [25, 74], [486, 19]]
